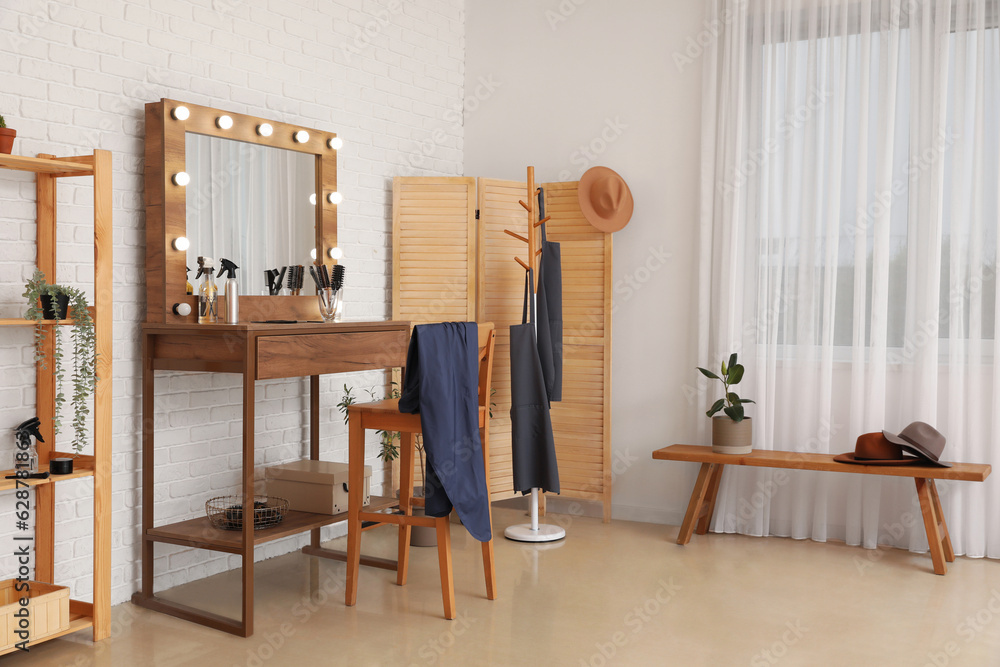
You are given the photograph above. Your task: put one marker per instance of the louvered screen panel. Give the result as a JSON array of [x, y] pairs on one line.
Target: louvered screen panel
[[581, 422], [501, 290], [433, 249], [433, 255]]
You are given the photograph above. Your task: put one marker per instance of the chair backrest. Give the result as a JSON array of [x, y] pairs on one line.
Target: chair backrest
[[487, 338]]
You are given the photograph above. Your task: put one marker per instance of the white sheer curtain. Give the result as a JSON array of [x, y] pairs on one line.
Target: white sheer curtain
[[850, 190]]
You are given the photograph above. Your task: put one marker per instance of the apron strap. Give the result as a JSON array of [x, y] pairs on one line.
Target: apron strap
[[529, 278]]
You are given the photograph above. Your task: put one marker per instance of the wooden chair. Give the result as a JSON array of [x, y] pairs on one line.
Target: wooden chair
[[385, 415]]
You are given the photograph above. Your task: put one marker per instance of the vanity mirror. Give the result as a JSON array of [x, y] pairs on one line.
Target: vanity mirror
[[222, 184]]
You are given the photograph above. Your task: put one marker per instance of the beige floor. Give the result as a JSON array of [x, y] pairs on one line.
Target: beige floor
[[621, 593]]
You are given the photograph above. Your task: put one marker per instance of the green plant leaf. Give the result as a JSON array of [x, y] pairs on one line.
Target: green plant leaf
[[732, 398], [735, 374], [708, 373], [732, 360], [718, 405], [735, 413], [745, 400], [725, 371]]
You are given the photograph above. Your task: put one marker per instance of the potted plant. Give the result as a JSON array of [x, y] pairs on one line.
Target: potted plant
[[732, 434], [6, 137], [84, 344]]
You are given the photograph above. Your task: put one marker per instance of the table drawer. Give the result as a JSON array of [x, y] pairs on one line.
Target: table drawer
[[284, 356]]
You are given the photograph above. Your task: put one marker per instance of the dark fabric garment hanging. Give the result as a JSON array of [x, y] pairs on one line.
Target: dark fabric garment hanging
[[550, 325], [441, 383], [533, 449]]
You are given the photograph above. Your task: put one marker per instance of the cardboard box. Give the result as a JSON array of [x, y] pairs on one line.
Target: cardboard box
[[48, 611], [313, 486]]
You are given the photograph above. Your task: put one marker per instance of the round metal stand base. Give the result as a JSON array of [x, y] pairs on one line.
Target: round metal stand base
[[524, 533]]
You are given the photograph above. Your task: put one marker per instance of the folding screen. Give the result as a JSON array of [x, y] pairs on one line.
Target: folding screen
[[450, 267]]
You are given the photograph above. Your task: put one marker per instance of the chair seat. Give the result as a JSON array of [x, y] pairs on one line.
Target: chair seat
[[389, 409]]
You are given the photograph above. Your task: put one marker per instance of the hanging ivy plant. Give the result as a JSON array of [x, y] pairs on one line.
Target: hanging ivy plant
[[84, 343]]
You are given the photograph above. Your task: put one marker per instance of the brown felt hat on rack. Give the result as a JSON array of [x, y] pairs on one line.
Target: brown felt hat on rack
[[605, 199], [874, 449]]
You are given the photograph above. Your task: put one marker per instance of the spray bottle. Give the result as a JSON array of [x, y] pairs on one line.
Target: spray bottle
[[232, 291], [187, 279], [208, 305], [27, 456]]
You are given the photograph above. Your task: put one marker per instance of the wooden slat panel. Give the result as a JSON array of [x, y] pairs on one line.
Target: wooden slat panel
[[433, 249], [501, 290], [581, 422]]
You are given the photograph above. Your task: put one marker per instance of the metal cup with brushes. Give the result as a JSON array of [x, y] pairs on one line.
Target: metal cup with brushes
[[329, 289]]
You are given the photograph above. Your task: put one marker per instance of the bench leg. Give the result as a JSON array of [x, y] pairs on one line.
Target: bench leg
[[938, 540], [949, 552], [697, 498], [708, 507]]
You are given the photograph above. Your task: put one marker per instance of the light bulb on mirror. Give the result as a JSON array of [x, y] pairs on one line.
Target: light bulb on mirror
[[335, 197], [181, 178], [312, 254], [301, 137], [336, 253], [224, 122], [312, 199], [182, 309], [265, 129], [180, 113], [181, 243], [336, 143]]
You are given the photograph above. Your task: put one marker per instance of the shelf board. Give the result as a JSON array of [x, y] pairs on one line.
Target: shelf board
[[21, 322], [78, 472], [200, 532], [77, 622], [41, 165]]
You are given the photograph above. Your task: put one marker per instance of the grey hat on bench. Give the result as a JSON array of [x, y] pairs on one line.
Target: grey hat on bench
[[921, 439]]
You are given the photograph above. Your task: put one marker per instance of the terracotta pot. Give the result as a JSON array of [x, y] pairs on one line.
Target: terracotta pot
[[7, 140], [729, 437], [57, 310]]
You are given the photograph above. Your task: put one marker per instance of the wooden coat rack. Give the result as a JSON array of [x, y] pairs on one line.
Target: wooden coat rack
[[532, 240], [532, 532]]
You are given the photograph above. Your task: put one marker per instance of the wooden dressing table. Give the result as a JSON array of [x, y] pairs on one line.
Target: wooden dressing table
[[257, 352]]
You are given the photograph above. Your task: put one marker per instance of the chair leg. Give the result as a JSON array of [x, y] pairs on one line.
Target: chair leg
[[406, 444], [488, 566], [444, 560]]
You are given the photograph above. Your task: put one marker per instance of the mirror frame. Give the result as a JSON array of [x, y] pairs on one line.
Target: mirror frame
[[166, 209]]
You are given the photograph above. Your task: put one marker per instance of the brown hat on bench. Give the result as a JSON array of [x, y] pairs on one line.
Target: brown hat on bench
[[921, 439], [874, 449]]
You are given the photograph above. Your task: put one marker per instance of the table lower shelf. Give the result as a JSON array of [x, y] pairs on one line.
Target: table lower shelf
[[77, 622], [201, 534]]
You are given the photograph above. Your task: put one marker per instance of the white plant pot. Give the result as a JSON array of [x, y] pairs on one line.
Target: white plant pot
[[729, 437]]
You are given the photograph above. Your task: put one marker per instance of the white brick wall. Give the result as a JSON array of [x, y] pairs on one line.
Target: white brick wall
[[381, 73]]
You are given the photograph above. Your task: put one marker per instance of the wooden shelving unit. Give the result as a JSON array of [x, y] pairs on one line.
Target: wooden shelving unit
[[48, 169]]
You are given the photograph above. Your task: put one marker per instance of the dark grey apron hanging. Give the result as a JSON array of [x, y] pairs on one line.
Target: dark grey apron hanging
[[533, 449], [549, 298]]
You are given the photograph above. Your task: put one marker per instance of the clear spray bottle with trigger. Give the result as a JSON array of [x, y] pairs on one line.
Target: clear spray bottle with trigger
[[208, 304]]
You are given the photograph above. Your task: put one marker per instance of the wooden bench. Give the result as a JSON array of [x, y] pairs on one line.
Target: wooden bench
[[706, 488]]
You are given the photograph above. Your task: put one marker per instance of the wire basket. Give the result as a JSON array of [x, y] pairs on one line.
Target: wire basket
[[226, 512]]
